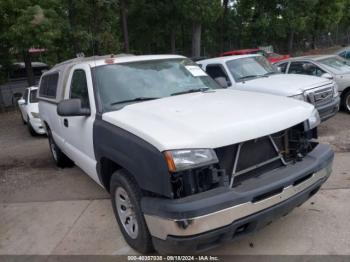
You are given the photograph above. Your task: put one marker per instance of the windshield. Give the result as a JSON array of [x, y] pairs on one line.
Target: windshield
[[125, 83], [336, 65], [33, 97], [250, 67]]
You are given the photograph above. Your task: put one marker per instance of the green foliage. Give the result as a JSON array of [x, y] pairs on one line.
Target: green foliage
[[67, 27]]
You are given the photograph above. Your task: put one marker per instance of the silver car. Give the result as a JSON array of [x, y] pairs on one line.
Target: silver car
[[328, 66]]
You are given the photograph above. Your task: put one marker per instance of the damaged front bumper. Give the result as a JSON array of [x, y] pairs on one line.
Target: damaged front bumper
[[203, 220]]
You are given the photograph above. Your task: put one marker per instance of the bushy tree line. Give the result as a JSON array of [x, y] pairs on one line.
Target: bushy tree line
[[190, 27]]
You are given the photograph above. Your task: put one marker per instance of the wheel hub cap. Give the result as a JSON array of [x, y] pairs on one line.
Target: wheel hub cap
[[126, 212], [53, 150]]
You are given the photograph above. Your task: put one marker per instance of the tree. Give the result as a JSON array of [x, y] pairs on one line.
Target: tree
[[345, 21], [29, 25], [200, 12], [123, 14], [326, 14]]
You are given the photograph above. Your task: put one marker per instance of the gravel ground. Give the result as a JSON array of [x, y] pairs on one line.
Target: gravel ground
[[27, 172], [336, 132]]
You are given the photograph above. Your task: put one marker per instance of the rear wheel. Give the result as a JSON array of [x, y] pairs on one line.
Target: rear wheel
[[58, 156], [24, 122], [126, 196], [346, 101]]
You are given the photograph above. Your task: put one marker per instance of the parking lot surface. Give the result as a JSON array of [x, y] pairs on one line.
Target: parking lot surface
[[48, 210]]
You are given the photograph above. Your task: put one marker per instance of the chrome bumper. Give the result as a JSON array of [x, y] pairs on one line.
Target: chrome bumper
[[328, 110], [162, 227]]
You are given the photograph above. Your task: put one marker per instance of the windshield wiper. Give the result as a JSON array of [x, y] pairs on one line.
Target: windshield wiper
[[251, 76], [137, 99], [190, 91], [270, 73]]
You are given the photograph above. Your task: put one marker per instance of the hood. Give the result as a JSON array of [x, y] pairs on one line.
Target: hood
[[209, 119], [283, 84]]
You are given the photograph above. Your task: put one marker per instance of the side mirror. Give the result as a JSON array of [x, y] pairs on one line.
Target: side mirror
[[279, 69], [72, 107], [21, 101], [221, 81], [327, 75]]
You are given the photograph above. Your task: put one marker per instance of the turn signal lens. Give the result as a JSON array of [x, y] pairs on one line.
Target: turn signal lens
[[169, 161]]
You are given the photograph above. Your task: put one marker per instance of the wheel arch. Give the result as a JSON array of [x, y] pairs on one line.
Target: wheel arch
[[346, 89], [342, 96], [106, 168], [115, 147]]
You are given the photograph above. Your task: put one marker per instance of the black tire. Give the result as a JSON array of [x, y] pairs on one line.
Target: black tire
[[142, 242], [30, 128], [345, 101], [60, 159], [24, 122]]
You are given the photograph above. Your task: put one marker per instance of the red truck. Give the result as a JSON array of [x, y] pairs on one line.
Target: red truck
[[272, 57]]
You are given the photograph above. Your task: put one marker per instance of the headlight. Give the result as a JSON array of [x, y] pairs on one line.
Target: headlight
[[35, 115], [335, 90], [314, 120], [178, 160], [299, 97]]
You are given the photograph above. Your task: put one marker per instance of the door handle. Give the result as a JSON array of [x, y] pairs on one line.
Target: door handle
[[65, 122]]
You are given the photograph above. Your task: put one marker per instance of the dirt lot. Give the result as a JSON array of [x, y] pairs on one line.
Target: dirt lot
[[27, 172], [47, 210]]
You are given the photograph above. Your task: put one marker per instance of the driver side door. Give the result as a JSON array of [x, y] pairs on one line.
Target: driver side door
[[78, 130]]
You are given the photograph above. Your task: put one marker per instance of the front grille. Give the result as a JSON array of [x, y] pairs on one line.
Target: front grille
[[320, 96], [249, 159], [258, 156]]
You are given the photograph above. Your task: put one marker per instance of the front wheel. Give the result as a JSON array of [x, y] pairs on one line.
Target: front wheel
[[346, 101], [126, 197]]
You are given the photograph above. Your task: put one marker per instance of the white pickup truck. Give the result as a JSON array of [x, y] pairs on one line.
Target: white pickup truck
[[255, 73], [188, 164]]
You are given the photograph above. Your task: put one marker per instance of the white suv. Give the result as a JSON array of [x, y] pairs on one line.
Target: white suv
[[188, 164], [255, 73]]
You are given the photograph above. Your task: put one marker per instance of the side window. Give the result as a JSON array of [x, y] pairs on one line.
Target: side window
[[343, 54], [282, 67], [25, 96], [305, 68], [52, 85], [79, 89], [33, 96], [43, 86], [48, 85], [216, 71], [296, 68], [347, 56]]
